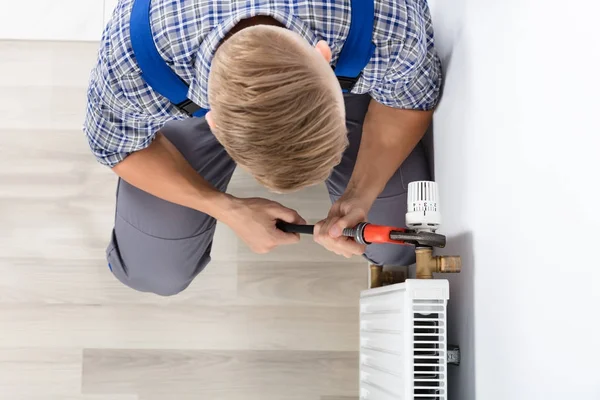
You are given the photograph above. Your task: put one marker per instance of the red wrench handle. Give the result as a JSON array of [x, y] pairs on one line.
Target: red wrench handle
[[381, 234]]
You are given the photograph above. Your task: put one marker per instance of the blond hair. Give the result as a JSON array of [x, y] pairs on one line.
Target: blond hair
[[275, 109]]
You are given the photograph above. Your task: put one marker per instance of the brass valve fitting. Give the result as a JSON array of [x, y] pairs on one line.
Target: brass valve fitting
[[427, 264]]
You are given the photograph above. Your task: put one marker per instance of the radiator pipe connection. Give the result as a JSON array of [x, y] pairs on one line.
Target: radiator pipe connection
[[378, 277], [427, 263]]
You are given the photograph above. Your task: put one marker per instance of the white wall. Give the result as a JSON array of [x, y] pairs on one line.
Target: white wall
[[517, 139], [72, 20]]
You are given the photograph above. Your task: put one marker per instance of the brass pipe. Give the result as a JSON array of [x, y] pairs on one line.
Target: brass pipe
[[378, 277], [427, 264], [376, 272]]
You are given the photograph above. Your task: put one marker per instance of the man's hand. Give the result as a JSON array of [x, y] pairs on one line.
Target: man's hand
[[254, 219], [347, 212], [389, 135]]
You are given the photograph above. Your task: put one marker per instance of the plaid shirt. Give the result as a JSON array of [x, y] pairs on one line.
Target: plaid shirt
[[123, 113]]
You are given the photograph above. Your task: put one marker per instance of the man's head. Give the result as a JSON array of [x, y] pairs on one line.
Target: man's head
[[277, 108]]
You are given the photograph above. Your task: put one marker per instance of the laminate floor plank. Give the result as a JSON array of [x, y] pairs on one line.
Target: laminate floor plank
[[25, 371], [35, 281], [15, 396], [220, 374], [301, 283], [179, 327], [339, 398], [86, 282]]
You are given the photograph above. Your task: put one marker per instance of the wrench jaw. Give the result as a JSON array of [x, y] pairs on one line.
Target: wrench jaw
[[428, 239]]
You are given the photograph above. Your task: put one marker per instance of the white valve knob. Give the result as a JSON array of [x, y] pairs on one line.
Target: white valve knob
[[423, 210]]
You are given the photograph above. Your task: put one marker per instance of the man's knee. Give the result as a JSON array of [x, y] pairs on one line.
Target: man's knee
[[391, 254], [167, 279], [154, 265], [170, 284]]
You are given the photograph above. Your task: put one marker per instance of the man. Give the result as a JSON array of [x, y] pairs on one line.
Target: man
[[265, 70]]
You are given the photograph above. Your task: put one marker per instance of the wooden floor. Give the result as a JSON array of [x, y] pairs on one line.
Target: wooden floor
[[280, 326]]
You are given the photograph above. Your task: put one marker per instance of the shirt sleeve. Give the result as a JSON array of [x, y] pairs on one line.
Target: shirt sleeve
[[414, 77], [115, 132]]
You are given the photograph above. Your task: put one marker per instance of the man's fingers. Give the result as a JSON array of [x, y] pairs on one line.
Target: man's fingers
[[328, 233], [351, 246], [287, 238], [288, 215], [336, 229], [317, 230], [342, 246], [322, 229], [349, 220], [348, 247], [329, 222]]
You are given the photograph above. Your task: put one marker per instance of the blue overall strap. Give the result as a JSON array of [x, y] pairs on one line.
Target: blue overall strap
[[155, 70], [354, 57], [358, 48]]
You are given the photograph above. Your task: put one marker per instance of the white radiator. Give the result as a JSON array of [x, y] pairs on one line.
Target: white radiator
[[403, 341]]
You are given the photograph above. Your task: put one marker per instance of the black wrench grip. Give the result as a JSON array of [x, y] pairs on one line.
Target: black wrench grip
[[295, 228]]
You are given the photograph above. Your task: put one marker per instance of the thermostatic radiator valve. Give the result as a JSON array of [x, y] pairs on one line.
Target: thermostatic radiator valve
[[423, 209]]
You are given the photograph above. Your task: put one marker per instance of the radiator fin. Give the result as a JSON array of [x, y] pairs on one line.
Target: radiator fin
[[429, 349]]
